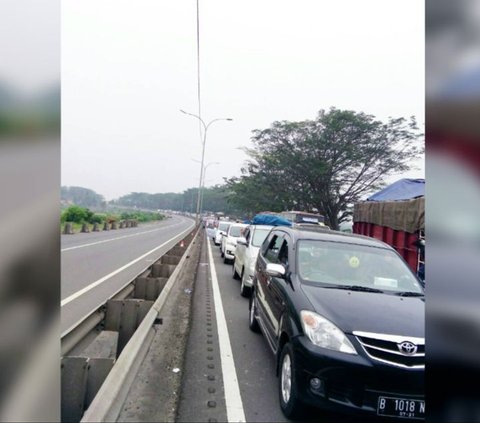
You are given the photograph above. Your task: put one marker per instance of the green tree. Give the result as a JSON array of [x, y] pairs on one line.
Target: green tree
[[83, 197], [326, 164]]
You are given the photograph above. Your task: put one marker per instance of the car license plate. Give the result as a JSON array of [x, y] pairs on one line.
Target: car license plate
[[401, 407]]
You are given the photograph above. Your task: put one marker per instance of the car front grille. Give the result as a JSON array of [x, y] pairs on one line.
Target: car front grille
[[387, 349]]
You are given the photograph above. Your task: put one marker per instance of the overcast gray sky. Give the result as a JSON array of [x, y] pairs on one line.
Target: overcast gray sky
[[129, 66], [29, 44]]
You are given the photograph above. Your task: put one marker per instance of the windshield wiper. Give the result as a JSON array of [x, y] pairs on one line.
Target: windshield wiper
[[410, 294], [355, 288]]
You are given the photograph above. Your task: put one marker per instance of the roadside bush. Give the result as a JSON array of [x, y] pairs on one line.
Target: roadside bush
[[97, 218], [141, 216], [75, 214], [111, 218], [128, 215]]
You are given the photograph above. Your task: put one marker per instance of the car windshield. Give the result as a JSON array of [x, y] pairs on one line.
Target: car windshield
[[337, 264], [259, 236], [223, 226], [235, 231]]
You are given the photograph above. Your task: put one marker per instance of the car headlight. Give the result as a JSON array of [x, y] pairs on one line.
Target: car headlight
[[324, 333]]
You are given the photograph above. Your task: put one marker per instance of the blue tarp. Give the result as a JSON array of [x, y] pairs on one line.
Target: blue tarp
[[270, 219], [404, 189]]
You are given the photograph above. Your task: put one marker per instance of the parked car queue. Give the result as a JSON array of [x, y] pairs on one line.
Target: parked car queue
[[342, 314]]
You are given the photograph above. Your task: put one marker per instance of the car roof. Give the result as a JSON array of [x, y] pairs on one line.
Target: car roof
[[241, 225], [262, 227], [323, 234]]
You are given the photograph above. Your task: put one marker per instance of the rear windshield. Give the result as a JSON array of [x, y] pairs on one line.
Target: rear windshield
[[223, 226], [236, 231], [259, 236], [334, 263]]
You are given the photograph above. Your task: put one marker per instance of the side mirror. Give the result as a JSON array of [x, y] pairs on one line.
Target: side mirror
[[223, 234], [275, 270], [242, 241]]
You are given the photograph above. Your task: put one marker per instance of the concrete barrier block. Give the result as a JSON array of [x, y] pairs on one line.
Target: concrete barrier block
[[85, 228], [177, 251], [103, 346], [114, 225], [106, 226], [74, 374], [124, 317], [68, 229], [95, 227], [122, 224], [168, 259], [160, 270]]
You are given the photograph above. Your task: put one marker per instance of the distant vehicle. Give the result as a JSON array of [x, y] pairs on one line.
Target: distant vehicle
[[297, 217], [211, 228], [246, 255], [344, 316], [220, 231], [229, 241]]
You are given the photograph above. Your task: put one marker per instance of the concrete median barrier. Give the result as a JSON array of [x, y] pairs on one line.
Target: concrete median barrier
[[106, 226], [136, 341], [85, 228]]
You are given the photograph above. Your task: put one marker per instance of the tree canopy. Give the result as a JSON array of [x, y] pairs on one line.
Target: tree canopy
[[83, 197], [214, 200], [326, 164]]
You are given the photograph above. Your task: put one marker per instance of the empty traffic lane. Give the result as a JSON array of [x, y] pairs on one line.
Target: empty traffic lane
[[95, 266]]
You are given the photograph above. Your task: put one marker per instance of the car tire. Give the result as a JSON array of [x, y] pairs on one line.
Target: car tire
[[234, 272], [290, 403], [221, 254], [226, 260], [252, 321], [245, 290]]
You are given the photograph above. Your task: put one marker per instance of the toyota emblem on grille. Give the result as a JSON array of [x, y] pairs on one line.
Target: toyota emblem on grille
[[407, 348]]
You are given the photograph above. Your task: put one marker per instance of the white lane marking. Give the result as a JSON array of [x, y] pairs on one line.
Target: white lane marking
[[115, 272], [120, 237], [233, 399]]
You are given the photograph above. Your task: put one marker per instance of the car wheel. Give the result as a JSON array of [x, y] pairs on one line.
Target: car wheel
[[244, 289], [226, 260], [234, 272], [221, 254], [252, 319], [291, 405]]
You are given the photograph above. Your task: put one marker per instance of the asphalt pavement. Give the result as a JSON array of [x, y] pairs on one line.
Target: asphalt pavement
[[96, 265], [203, 396], [208, 393]]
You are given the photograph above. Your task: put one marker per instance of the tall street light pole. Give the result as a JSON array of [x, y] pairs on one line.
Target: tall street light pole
[[205, 129], [203, 182]]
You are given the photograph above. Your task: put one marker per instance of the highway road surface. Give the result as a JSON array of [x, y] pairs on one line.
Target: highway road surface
[[229, 372], [94, 266]]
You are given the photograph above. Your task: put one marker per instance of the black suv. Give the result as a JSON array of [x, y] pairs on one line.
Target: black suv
[[344, 315]]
